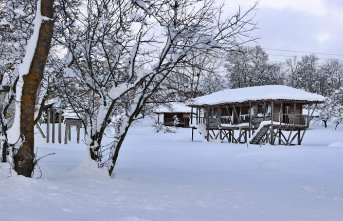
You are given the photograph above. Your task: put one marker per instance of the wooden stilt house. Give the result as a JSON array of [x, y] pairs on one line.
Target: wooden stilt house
[[263, 114]]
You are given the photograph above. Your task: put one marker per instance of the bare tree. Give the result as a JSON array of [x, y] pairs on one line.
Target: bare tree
[[250, 66], [305, 74], [121, 52], [330, 77]]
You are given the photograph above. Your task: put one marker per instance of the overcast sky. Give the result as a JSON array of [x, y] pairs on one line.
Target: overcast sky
[[298, 25]]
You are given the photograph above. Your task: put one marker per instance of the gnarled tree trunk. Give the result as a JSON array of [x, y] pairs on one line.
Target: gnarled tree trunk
[[24, 158]]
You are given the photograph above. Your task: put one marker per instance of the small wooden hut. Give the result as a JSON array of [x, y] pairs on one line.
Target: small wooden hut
[[174, 114], [262, 114]]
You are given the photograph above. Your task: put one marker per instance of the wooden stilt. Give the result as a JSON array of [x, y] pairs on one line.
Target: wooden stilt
[[302, 137], [250, 119], [294, 136], [40, 130], [191, 115], [60, 127], [53, 125], [78, 128], [69, 132], [271, 120], [208, 123], [192, 134], [48, 126]]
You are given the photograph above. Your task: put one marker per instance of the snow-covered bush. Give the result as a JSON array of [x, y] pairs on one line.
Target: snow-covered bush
[[165, 129], [175, 120]]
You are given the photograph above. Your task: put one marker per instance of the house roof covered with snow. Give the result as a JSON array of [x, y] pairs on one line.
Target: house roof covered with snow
[[175, 107], [257, 93]]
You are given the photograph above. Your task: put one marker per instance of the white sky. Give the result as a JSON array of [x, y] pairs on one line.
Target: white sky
[[297, 25]]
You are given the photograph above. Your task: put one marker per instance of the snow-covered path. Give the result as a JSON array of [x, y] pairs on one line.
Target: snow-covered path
[[167, 177]]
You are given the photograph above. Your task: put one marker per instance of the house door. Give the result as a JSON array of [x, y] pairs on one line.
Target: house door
[[286, 110]]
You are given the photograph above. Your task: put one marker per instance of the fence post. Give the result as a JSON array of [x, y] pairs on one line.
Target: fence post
[[53, 112], [48, 126], [59, 126]]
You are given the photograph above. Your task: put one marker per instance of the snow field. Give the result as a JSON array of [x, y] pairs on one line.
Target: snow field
[[168, 177]]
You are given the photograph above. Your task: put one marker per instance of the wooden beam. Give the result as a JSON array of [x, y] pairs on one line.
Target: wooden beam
[[295, 135], [302, 137], [48, 126], [234, 109], [53, 124], [264, 110], [60, 126], [271, 120], [308, 116], [207, 123], [40, 130], [250, 119], [289, 136], [191, 115]]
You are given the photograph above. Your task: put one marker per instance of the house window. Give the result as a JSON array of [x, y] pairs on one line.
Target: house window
[[214, 112]]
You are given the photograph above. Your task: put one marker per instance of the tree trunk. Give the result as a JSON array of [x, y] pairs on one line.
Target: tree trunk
[[95, 146], [24, 158], [325, 123], [4, 151]]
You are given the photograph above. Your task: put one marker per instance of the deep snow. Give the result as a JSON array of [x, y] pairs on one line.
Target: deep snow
[[168, 177]]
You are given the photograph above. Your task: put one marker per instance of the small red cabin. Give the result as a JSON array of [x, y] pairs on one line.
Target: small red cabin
[[174, 114]]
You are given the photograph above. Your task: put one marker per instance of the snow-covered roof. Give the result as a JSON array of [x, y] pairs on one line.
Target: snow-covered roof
[[174, 107], [70, 114], [257, 93]]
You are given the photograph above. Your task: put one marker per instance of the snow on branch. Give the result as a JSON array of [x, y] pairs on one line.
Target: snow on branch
[[23, 69]]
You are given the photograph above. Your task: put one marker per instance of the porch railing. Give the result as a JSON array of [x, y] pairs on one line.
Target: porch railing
[[282, 119]]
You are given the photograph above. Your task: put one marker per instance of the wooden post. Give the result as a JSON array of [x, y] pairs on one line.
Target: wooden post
[[40, 130], [281, 113], [234, 109], [308, 116], [78, 128], [207, 123], [264, 110], [60, 127], [53, 112], [192, 133], [271, 120], [295, 117], [66, 133], [301, 138], [48, 126], [250, 119], [192, 116], [220, 116], [69, 132]]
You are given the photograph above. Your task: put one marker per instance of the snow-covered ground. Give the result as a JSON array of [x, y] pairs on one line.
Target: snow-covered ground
[[168, 177]]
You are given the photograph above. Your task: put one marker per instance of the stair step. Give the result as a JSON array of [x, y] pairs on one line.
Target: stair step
[[262, 132]]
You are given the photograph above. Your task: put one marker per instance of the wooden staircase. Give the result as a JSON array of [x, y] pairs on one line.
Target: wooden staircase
[[260, 133]]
